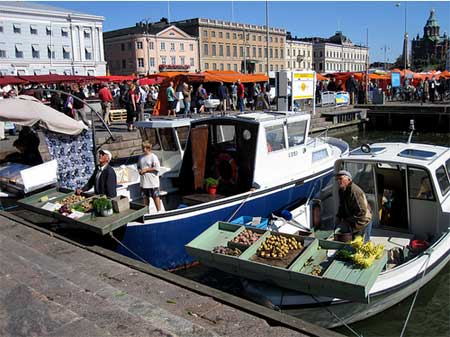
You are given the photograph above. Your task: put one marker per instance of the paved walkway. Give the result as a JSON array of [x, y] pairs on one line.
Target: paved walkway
[[50, 287]]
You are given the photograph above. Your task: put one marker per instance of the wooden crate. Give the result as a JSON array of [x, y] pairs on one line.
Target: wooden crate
[[118, 115]]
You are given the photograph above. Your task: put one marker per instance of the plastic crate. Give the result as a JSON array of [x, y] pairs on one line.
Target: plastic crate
[[248, 220]]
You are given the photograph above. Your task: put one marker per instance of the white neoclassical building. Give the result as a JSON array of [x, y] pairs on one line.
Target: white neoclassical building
[[37, 39], [299, 54]]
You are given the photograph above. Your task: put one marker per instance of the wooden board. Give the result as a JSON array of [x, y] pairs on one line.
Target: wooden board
[[96, 224]]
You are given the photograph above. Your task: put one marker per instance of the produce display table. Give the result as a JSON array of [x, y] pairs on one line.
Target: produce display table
[[43, 203]]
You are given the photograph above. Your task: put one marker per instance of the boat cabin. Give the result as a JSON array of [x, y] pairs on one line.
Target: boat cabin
[[407, 186]]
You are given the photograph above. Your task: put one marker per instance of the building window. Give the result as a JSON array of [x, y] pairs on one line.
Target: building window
[[220, 49], [281, 54], [191, 47], [228, 51], [259, 38], [173, 60], [247, 50], [163, 60], [205, 49], [206, 65], [289, 64], [271, 39], [16, 28], [140, 62], [139, 45], [271, 53], [87, 53], [181, 46], [276, 67], [241, 51], [213, 34], [259, 52], [182, 60], [152, 61], [221, 66], [214, 66], [254, 37], [87, 34], [122, 46], [50, 52], [2, 51], [213, 50], [254, 51], [64, 32], [220, 35], [19, 51], [205, 33], [228, 66], [191, 62], [234, 36], [271, 67], [276, 40], [1, 27], [163, 46], [228, 36], [172, 46], [66, 52], [234, 51], [129, 45], [48, 31], [124, 64], [260, 68], [151, 45], [276, 53], [235, 67], [33, 30], [35, 51]]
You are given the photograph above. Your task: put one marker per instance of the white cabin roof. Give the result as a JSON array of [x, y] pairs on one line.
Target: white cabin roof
[[423, 155], [262, 117], [164, 123]]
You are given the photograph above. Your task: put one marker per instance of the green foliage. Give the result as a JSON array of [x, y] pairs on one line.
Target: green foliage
[[101, 204], [211, 182]]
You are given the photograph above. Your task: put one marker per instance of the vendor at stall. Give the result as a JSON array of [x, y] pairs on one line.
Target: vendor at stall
[[104, 178]]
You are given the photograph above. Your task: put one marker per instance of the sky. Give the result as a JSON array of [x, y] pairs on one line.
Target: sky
[[384, 21]]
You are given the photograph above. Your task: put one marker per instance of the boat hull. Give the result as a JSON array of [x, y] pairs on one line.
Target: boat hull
[[332, 313], [160, 240]]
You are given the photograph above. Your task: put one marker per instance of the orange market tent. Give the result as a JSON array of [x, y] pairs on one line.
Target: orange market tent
[[207, 76]]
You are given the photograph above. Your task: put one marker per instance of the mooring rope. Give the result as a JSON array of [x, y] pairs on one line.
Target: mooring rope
[[120, 243], [417, 292], [240, 206], [337, 317]]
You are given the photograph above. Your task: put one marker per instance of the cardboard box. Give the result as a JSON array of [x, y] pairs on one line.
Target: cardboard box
[[120, 203]]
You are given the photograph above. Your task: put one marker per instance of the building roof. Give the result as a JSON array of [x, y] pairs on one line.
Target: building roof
[[142, 28], [339, 38], [432, 22], [38, 6]]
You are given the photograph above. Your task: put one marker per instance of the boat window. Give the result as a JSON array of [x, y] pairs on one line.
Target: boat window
[[443, 179], [183, 135], [149, 135], [362, 175], [319, 155], [275, 138], [225, 133], [419, 184], [167, 139], [296, 133], [417, 154]]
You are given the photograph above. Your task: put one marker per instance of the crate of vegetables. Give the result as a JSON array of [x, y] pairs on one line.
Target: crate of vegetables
[[245, 239]]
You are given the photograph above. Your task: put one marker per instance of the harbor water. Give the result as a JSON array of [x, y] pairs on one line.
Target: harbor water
[[431, 313]]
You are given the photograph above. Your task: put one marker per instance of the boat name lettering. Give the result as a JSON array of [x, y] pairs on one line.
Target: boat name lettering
[[292, 154]]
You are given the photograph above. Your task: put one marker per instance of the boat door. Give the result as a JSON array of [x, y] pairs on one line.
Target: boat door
[[199, 141], [424, 205]]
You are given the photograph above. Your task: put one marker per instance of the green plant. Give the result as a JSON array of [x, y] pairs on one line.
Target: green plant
[[101, 204], [209, 182]]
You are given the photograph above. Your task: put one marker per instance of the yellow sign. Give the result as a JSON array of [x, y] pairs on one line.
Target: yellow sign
[[303, 85]]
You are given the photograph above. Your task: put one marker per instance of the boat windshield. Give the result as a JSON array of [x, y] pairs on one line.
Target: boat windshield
[[443, 178]]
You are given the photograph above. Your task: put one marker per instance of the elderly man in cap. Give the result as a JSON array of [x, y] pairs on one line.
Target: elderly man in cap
[[354, 213], [104, 178]]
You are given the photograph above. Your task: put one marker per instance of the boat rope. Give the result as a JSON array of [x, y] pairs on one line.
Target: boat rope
[[417, 291], [128, 249], [337, 317], [240, 206]]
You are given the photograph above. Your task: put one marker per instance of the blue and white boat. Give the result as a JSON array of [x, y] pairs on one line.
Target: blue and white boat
[[264, 161]]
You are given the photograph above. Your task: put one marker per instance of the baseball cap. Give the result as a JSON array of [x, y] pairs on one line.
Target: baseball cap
[[101, 151], [343, 173]]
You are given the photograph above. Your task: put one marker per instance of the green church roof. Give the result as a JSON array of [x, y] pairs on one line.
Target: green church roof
[[432, 22]]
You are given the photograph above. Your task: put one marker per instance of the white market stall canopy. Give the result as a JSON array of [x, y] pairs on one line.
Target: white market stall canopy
[[27, 111]]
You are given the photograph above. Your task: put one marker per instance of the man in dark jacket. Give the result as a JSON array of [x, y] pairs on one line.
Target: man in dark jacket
[[103, 179], [223, 96], [350, 86], [354, 212]]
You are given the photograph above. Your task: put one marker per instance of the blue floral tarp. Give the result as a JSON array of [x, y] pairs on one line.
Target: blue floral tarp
[[74, 155]]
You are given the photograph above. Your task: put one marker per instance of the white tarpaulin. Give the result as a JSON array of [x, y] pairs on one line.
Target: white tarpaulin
[[27, 110]]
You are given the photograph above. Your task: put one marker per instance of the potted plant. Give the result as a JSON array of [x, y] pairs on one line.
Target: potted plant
[[211, 185], [103, 206]]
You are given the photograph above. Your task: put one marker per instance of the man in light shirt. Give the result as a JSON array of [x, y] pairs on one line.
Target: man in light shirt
[[148, 168]]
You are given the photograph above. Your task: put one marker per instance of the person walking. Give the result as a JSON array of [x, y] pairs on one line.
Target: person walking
[[148, 168], [234, 96], [131, 100], [223, 96], [78, 105], [171, 100], [350, 86], [142, 100], [187, 92], [432, 88], [106, 100], [240, 95]]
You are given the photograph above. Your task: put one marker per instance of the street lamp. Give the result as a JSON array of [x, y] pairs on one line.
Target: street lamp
[[405, 39]]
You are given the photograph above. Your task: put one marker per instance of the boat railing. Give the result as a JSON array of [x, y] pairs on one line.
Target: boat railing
[[321, 138]]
